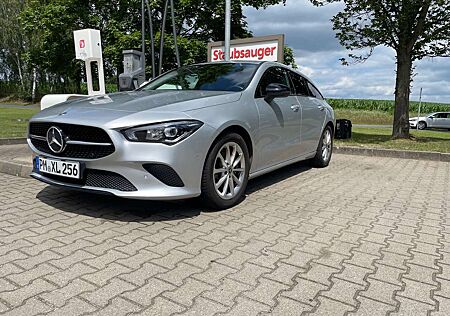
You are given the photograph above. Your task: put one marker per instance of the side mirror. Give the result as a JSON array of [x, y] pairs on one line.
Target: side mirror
[[277, 90]]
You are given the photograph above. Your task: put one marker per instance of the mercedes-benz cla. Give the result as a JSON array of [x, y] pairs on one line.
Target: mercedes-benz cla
[[203, 129]]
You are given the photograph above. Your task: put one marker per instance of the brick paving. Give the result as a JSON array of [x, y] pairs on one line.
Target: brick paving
[[366, 236]]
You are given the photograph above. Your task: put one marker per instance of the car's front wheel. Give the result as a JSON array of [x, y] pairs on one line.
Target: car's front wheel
[[226, 170], [422, 125]]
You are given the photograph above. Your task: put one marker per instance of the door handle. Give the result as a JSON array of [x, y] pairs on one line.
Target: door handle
[[295, 107]]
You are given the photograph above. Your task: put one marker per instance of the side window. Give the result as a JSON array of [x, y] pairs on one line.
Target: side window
[[300, 84], [314, 91], [272, 75]]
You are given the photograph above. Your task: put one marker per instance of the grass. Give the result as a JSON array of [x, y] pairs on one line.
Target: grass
[[381, 138], [364, 117], [14, 101], [368, 117], [13, 121], [385, 105]]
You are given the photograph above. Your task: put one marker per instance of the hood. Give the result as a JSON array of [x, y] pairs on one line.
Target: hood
[[138, 101], [150, 105], [415, 118]]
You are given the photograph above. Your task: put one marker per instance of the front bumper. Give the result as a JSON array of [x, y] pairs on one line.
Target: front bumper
[[185, 158], [413, 124]]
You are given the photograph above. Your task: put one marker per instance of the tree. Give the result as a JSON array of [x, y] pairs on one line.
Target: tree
[[289, 57], [198, 21], [47, 27], [415, 29], [11, 39]]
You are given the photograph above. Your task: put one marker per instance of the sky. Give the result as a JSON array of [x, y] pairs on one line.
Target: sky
[[308, 30]]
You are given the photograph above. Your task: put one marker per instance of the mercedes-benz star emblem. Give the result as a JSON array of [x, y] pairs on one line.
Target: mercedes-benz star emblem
[[55, 139]]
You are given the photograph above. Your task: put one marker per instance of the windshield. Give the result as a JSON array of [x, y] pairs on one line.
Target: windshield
[[211, 77]]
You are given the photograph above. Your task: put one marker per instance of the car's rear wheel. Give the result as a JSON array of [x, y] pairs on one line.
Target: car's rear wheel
[[324, 149], [422, 125], [225, 174]]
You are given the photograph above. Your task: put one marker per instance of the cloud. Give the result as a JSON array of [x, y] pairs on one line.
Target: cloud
[[302, 23], [309, 32]]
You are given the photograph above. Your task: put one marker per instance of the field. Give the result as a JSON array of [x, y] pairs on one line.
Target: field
[[428, 140], [386, 106], [13, 123], [364, 116], [378, 112]]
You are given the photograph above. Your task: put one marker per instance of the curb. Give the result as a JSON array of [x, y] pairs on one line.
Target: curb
[[405, 154], [13, 141], [24, 171], [15, 169]]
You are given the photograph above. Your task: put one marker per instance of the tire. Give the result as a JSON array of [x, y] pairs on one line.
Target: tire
[[421, 125], [324, 149], [220, 165]]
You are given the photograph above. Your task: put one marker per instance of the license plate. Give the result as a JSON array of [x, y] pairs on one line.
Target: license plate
[[61, 168]]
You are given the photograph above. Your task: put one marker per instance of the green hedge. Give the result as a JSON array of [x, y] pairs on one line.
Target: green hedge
[[385, 105]]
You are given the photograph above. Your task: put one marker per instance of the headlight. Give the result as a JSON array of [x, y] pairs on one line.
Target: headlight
[[167, 133]]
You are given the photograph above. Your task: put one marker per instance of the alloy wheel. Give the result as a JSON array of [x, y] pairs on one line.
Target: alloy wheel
[[327, 143], [229, 170]]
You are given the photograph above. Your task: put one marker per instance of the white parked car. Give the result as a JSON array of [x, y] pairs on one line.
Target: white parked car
[[433, 120]]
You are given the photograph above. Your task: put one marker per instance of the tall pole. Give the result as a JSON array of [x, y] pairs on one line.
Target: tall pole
[[227, 29], [177, 54], [161, 45], [420, 105], [143, 35], [152, 39]]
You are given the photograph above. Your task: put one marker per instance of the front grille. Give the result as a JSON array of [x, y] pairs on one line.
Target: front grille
[[108, 180], [98, 179], [75, 133]]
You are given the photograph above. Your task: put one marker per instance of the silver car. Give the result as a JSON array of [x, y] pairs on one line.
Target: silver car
[[433, 120], [201, 130]]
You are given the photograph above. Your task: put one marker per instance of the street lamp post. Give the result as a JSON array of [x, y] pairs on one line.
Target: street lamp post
[[227, 29]]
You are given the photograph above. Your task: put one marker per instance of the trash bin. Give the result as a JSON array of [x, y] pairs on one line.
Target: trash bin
[[343, 129]]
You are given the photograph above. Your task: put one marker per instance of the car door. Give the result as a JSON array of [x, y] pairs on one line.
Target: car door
[[312, 114], [444, 120], [447, 121], [438, 120], [279, 121]]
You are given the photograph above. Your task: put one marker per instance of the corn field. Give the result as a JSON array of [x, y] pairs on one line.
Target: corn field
[[385, 105]]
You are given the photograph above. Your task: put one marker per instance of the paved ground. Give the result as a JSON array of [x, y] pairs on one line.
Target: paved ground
[[19, 153], [366, 235]]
